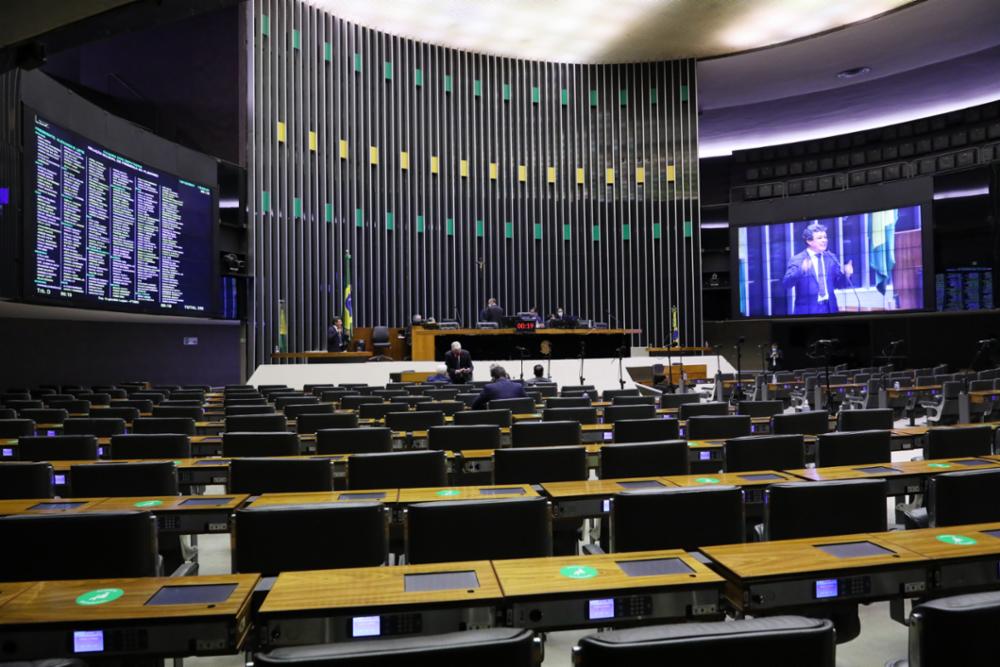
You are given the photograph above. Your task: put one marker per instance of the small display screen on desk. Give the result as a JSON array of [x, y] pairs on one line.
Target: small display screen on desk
[[643, 484], [55, 506], [514, 491], [600, 609], [879, 470], [992, 533], [704, 456], [59, 479], [973, 462], [204, 594], [366, 626], [764, 476], [440, 581], [8, 452], [608, 435], [88, 641], [854, 550], [826, 588], [362, 496], [651, 567], [205, 502]]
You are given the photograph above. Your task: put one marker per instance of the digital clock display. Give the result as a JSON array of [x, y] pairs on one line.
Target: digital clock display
[[525, 325]]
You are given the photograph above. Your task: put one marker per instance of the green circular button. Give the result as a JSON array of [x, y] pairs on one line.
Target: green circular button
[[177, 463], [99, 596], [149, 503], [578, 572], [706, 480], [448, 492], [960, 540], [938, 465]]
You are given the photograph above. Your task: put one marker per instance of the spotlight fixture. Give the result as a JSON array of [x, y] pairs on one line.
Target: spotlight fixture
[[854, 72]]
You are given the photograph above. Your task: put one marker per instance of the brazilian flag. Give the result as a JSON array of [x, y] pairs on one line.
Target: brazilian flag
[[882, 244], [348, 310]]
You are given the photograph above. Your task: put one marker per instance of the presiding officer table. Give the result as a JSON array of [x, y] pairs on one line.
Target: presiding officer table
[[431, 344]]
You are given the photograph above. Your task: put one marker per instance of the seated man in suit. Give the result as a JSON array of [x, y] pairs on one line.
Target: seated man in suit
[[442, 375], [815, 273], [539, 376], [459, 364], [336, 337], [500, 387], [492, 312]]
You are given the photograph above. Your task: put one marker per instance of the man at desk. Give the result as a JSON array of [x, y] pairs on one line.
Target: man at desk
[[458, 363], [500, 386], [492, 312], [815, 273], [336, 337], [441, 376], [539, 377], [561, 319]]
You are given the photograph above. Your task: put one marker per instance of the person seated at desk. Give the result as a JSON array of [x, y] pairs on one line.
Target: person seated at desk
[[492, 312], [458, 363], [336, 337], [500, 387], [539, 377], [441, 376], [561, 320], [539, 320]]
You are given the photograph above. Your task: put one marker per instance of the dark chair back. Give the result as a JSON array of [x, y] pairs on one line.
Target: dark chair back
[[397, 470], [634, 400], [466, 530], [103, 428], [194, 412], [500, 418], [95, 480], [142, 405], [539, 464], [956, 442], [153, 397], [74, 406], [414, 421], [853, 448], [688, 410], [299, 409], [764, 452], [151, 446], [239, 410], [581, 415], [44, 415], [151, 425], [19, 480], [125, 413], [282, 402], [955, 630], [57, 448], [543, 434], [715, 427], [260, 443], [646, 430], [760, 408], [442, 394], [865, 420], [969, 496], [582, 401], [677, 400], [680, 518], [517, 406], [355, 401], [644, 459], [811, 422], [457, 437], [245, 423], [447, 407], [815, 509], [310, 423], [380, 410], [264, 475], [353, 440], [15, 428], [614, 413]]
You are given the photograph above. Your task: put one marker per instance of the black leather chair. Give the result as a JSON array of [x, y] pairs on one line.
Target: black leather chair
[[376, 440], [578, 390], [612, 394], [144, 406], [151, 446], [646, 430], [278, 443], [713, 409], [126, 413], [955, 630], [414, 421], [458, 437], [581, 415], [500, 418], [539, 464], [517, 406], [397, 470], [95, 480], [760, 408], [311, 423], [465, 530], [153, 397], [15, 428], [355, 401], [497, 647], [380, 410], [815, 509], [95, 398], [7, 413], [776, 641], [248, 423], [810, 422], [968, 496], [20, 480], [764, 452], [544, 434], [380, 343], [677, 400], [264, 475], [442, 394], [241, 400], [299, 409], [127, 546], [865, 420], [57, 448], [282, 402], [44, 415], [581, 401], [853, 448], [194, 412], [447, 407], [957, 442], [104, 427], [281, 538], [680, 518], [715, 427], [413, 401], [644, 459], [73, 406], [151, 425], [635, 400], [616, 413], [944, 409]]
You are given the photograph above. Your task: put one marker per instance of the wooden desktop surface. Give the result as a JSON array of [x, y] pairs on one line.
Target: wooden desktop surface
[[757, 560], [8, 507], [55, 601], [312, 498], [444, 493], [423, 338], [170, 503], [367, 587], [904, 468], [732, 478], [947, 542], [596, 487], [333, 356], [11, 589], [543, 576]]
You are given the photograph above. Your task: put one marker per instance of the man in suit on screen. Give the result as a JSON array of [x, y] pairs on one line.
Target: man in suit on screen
[[815, 273]]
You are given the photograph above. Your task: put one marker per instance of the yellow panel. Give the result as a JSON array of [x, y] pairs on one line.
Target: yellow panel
[[373, 154], [640, 175], [404, 160], [609, 175], [343, 149], [493, 170], [313, 142], [579, 175], [671, 172], [551, 175], [522, 172], [435, 164], [281, 132], [463, 168]]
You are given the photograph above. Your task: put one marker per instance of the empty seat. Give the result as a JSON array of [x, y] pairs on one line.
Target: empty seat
[[153, 397], [246, 423], [264, 475], [310, 423], [680, 518], [646, 430], [716, 427], [500, 418], [677, 400], [244, 400], [467, 530], [634, 400], [581, 415], [517, 406], [353, 402], [74, 406], [542, 434], [582, 401], [688, 410], [151, 446], [955, 442], [353, 440], [189, 411], [412, 400], [298, 409], [615, 413], [644, 459], [413, 421], [397, 470], [463, 436], [380, 410], [44, 415], [764, 452], [8, 413], [25, 480], [57, 448], [239, 410], [955, 630], [853, 448], [14, 428], [810, 422], [776, 641], [447, 407], [143, 406], [150, 425], [864, 420], [127, 414], [94, 398], [262, 443], [968, 496], [94, 480], [282, 402], [103, 428], [539, 464], [815, 509], [760, 408], [127, 546]]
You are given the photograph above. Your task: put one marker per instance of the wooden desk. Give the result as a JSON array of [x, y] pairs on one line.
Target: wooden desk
[[321, 357], [591, 498], [329, 605], [423, 495], [909, 476], [48, 619], [183, 515], [981, 397], [965, 557], [754, 484], [424, 340], [672, 373], [387, 496], [11, 589], [679, 351], [49, 506], [416, 376], [766, 576], [596, 591]]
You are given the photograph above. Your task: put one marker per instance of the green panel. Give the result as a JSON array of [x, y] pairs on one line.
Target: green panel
[[447, 83], [420, 224], [297, 207], [564, 96], [296, 39], [684, 93], [327, 51], [357, 62], [653, 96], [626, 232], [390, 220], [418, 77], [265, 25], [508, 230], [480, 228], [387, 66], [536, 94], [449, 226], [623, 97], [506, 92], [595, 232], [265, 200], [657, 230], [538, 231], [477, 87], [567, 231], [359, 218], [328, 213], [688, 229], [593, 98]]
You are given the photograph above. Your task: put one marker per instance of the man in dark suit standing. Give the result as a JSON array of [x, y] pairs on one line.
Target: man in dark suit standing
[[459, 363], [336, 337], [492, 312], [500, 387], [815, 273]]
